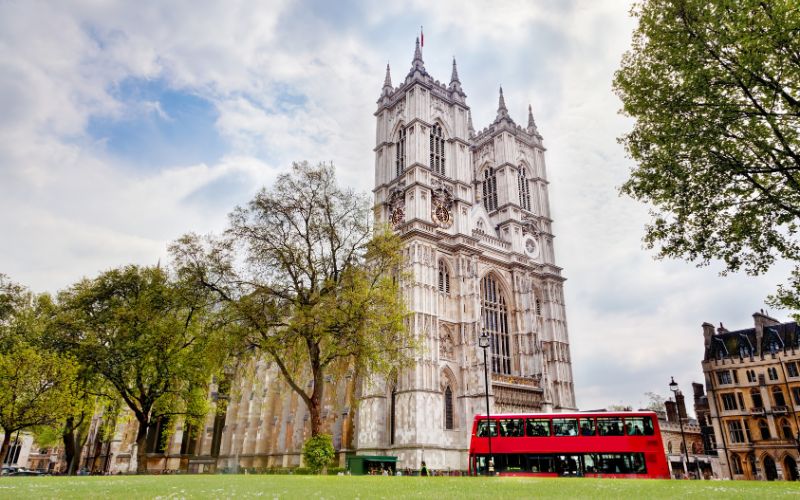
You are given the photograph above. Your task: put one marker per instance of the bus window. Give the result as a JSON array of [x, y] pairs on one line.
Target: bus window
[[587, 427], [590, 464], [540, 463], [538, 427], [509, 463], [567, 465], [621, 463], [648, 426], [609, 426], [634, 426], [482, 428], [511, 427], [565, 427]]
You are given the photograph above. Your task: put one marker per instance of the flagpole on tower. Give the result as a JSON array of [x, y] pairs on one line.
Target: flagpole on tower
[[421, 37]]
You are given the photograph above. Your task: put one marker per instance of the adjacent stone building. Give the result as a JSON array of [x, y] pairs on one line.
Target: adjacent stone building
[[753, 382]]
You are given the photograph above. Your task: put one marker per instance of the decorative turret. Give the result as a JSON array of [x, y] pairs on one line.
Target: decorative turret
[[417, 64], [387, 82], [502, 111], [470, 128], [455, 83], [531, 123]]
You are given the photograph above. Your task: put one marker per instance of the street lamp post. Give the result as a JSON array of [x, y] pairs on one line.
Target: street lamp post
[[673, 386], [484, 342]]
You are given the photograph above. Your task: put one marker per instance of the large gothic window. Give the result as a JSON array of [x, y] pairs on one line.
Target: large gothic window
[[448, 409], [437, 149], [495, 324], [444, 278], [489, 189], [400, 152], [524, 189]]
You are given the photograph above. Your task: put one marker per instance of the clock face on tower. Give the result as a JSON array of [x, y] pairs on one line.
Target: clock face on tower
[[397, 217], [531, 248], [443, 216]]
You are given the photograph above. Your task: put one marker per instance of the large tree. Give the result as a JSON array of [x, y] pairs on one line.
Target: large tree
[[714, 88], [34, 382], [313, 284], [154, 339]]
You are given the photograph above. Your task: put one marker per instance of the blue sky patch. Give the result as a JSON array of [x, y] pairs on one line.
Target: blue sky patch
[[160, 126]]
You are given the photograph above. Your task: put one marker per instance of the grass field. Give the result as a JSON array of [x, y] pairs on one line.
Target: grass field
[[270, 486]]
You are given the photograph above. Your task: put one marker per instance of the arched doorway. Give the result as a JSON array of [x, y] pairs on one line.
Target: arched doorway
[[769, 468], [790, 468]]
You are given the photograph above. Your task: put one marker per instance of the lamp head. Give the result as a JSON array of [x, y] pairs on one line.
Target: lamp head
[[483, 341], [673, 386]]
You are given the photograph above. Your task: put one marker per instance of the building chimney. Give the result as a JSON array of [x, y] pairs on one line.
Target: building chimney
[[761, 320], [672, 411], [708, 332], [681, 403]]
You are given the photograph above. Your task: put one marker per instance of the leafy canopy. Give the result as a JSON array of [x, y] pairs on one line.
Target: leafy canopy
[[714, 88], [309, 279]]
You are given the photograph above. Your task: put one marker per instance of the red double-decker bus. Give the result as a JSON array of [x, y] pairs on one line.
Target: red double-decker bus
[[602, 444]]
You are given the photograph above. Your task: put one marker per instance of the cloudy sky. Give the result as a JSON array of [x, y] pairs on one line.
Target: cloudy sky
[[125, 124]]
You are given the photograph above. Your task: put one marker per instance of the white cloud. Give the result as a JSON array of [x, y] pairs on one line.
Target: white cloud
[[290, 83]]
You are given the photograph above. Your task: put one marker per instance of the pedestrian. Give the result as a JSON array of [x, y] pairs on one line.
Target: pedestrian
[[423, 471]]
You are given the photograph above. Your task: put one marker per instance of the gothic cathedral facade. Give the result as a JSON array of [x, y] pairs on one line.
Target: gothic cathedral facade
[[473, 211]]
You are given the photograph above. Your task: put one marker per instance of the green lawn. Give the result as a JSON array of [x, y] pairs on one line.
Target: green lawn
[[270, 486]]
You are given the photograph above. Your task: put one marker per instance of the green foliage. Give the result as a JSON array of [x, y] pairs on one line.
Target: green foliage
[[308, 279], [714, 88], [318, 452], [34, 382], [154, 340]]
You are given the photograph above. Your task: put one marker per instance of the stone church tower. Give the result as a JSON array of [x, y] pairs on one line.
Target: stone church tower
[[473, 211]]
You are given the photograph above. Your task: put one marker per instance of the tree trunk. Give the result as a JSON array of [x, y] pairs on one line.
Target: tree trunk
[[141, 446], [315, 404], [4, 448], [68, 437]]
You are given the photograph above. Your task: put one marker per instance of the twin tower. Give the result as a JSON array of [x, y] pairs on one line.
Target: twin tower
[[472, 208], [473, 212]]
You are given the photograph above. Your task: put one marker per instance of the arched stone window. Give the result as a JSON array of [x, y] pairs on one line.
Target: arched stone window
[[736, 464], [755, 395], [444, 277], [400, 152], [777, 395], [524, 189], [763, 427], [786, 429], [495, 324], [489, 189], [437, 149], [449, 423]]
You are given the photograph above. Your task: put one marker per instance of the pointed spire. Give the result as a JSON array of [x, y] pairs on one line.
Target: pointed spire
[[454, 75], [387, 82], [470, 128], [455, 83], [417, 63], [531, 122], [502, 111]]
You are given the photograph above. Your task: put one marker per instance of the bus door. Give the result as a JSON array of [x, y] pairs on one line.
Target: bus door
[[569, 465]]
